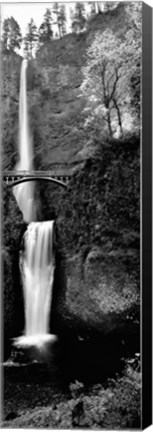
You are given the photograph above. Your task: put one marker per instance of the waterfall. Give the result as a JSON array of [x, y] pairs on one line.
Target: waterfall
[[24, 193], [37, 261], [37, 270]]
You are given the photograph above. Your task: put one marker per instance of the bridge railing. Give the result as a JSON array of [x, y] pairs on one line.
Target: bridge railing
[[14, 177], [50, 173]]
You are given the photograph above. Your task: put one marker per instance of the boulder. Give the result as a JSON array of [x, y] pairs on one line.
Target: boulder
[[96, 293]]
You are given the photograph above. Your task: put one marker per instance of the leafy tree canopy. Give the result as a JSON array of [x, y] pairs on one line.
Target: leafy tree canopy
[[111, 64]]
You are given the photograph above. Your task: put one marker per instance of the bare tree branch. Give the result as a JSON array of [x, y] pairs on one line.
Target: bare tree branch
[[115, 84], [106, 99]]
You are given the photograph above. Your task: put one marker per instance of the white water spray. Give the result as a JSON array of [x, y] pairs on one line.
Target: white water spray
[[37, 261], [37, 269]]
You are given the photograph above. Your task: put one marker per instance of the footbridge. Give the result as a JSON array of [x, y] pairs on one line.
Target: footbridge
[[59, 177]]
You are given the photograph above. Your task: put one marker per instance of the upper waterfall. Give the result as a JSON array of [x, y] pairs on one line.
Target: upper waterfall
[[24, 193]]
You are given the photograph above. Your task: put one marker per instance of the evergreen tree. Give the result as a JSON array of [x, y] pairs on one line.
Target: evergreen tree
[[99, 7], [31, 39], [5, 34], [108, 6], [78, 18], [62, 20], [45, 30], [56, 13], [11, 35], [92, 6], [71, 12]]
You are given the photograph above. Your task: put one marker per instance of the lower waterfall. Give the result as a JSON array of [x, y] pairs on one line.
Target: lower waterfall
[[37, 263]]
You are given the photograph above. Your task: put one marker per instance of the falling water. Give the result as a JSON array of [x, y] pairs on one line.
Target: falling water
[[37, 260], [37, 269], [24, 193]]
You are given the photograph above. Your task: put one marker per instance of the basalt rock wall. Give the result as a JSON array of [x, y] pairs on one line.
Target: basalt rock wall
[[98, 239], [12, 231]]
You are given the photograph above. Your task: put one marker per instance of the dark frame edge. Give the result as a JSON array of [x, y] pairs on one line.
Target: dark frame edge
[[146, 322], [1, 267]]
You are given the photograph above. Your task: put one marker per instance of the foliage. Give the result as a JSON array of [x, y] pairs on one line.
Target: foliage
[[60, 17], [108, 6], [116, 406], [31, 39], [112, 63], [102, 77], [76, 389], [45, 30], [78, 18], [11, 35], [101, 205], [113, 406], [92, 8], [134, 11], [10, 76]]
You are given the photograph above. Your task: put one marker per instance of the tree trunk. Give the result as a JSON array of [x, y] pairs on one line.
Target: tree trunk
[[59, 30], [119, 115], [109, 122]]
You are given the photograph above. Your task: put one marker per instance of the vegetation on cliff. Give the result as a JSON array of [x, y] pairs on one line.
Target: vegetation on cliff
[[115, 405], [101, 205], [98, 229]]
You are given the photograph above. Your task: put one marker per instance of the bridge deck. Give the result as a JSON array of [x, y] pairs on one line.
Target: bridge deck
[[48, 173], [13, 178]]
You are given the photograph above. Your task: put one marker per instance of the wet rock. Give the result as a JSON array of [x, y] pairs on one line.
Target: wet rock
[[99, 294], [11, 416], [13, 228]]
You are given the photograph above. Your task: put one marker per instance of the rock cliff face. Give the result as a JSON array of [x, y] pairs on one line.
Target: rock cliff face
[[95, 296], [98, 233], [13, 310], [101, 293]]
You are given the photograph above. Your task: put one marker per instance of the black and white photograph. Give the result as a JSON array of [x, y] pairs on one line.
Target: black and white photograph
[[71, 123]]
